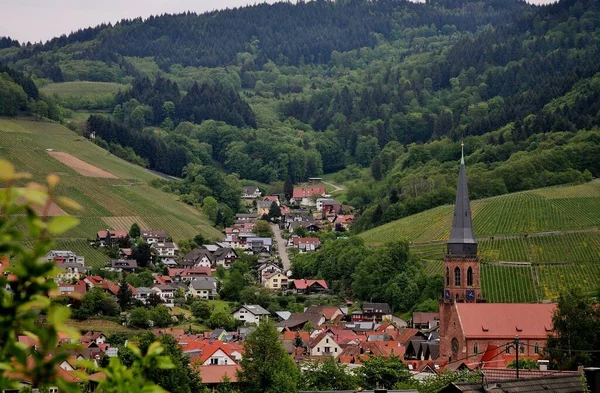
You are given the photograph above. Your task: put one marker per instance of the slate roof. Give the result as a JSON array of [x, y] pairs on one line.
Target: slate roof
[[548, 384], [505, 320], [462, 239]]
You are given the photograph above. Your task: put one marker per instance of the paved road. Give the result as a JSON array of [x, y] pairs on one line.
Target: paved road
[[281, 247]]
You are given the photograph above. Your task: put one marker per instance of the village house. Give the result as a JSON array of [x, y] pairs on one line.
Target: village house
[[60, 256], [152, 237], [275, 281], [203, 288], [251, 192], [306, 244], [324, 345], [166, 293], [262, 208], [110, 237], [251, 313], [165, 250], [71, 271], [124, 265], [308, 286], [306, 196], [376, 312]]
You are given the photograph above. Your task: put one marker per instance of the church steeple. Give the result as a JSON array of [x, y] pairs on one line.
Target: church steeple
[[462, 240]]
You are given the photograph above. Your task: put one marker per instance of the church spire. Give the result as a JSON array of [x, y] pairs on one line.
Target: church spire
[[462, 240]]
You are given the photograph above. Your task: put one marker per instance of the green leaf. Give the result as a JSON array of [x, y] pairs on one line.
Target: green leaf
[[61, 224]]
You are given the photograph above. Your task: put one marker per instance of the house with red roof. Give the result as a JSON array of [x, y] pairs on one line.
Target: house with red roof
[[305, 196], [306, 244], [308, 286]]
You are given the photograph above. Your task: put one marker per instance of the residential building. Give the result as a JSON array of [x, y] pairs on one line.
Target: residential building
[[275, 281], [203, 288], [306, 244], [71, 271], [110, 237], [251, 192], [127, 265], [165, 250], [152, 237], [60, 256], [306, 196], [251, 313]]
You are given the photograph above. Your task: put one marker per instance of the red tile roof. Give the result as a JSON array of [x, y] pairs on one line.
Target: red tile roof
[[505, 320], [216, 373], [307, 192], [303, 284]]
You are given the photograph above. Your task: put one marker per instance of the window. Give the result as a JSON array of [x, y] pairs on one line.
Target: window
[[475, 348], [469, 277], [447, 276], [536, 348], [457, 276]]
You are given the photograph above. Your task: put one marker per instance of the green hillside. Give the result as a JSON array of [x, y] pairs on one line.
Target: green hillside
[[544, 240], [107, 202]]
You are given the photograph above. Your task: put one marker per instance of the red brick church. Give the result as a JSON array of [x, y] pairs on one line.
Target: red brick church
[[472, 331]]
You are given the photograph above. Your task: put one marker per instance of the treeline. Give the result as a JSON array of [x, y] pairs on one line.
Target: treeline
[[425, 176], [208, 100], [386, 274]]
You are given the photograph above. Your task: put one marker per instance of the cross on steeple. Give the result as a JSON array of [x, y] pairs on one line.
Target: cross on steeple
[[462, 239]]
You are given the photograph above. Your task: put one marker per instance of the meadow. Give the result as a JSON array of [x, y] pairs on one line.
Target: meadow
[[107, 203]]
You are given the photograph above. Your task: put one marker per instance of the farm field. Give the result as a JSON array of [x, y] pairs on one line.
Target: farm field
[[555, 229], [82, 88], [107, 202], [558, 208]]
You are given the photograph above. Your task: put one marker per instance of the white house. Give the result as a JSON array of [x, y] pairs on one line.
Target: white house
[[165, 250], [203, 288], [61, 256], [152, 237], [166, 294], [251, 313]]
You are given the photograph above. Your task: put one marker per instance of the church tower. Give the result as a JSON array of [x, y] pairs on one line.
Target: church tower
[[462, 264]]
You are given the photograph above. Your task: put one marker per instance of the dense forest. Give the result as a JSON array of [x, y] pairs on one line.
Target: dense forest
[[379, 92]]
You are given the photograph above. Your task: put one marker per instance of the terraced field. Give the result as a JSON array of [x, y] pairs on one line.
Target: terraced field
[[555, 229], [107, 203]]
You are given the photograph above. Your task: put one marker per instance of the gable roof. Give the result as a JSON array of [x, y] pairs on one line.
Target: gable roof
[[505, 320], [255, 309], [307, 192]]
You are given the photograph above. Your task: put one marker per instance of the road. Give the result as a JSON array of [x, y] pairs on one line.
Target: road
[[281, 247], [336, 187]]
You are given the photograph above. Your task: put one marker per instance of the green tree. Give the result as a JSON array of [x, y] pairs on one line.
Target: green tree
[[328, 375], [380, 372], [576, 327], [134, 231], [125, 295], [266, 367], [161, 316], [139, 317], [201, 309]]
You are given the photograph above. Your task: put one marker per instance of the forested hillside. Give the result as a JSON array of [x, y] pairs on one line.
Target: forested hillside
[[381, 92]]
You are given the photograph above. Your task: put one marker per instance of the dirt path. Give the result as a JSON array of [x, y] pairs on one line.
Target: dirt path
[[336, 187], [281, 247]]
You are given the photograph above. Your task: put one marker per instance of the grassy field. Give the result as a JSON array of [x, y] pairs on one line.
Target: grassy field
[[555, 229], [83, 88], [107, 203]]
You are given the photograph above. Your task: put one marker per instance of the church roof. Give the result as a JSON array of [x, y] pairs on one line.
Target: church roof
[[462, 239], [506, 320]]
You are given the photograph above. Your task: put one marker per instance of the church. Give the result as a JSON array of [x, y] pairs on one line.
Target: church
[[472, 331]]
